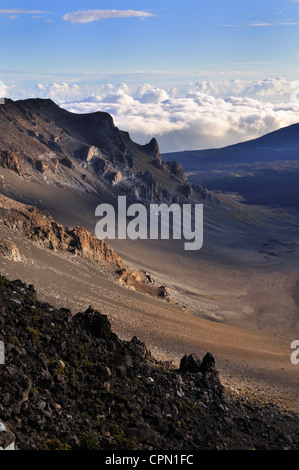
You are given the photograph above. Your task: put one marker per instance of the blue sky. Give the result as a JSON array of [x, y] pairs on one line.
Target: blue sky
[[194, 73], [183, 37]]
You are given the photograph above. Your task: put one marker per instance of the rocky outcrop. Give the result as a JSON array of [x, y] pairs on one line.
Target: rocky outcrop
[[139, 281], [186, 190], [153, 148], [128, 278], [9, 250], [82, 242], [43, 230], [7, 438], [194, 365], [39, 227], [41, 166], [65, 161], [69, 382], [190, 363], [9, 161], [147, 189], [176, 169], [91, 152], [116, 178], [85, 152]]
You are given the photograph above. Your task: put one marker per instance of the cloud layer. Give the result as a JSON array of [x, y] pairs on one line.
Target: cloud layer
[[19, 11], [88, 16], [14, 13], [195, 115]]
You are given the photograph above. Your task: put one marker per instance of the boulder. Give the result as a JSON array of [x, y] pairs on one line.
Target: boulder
[[7, 438], [190, 363], [9, 250], [208, 364], [9, 161]]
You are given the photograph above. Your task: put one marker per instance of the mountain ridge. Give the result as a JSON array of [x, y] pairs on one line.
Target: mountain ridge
[[210, 300], [84, 151], [282, 144], [262, 171]]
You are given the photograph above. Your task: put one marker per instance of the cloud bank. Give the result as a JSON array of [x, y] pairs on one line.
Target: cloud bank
[[194, 115], [88, 16]]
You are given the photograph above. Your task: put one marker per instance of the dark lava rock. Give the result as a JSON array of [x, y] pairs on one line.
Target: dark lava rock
[[208, 364], [7, 438], [69, 382], [98, 325], [190, 363]]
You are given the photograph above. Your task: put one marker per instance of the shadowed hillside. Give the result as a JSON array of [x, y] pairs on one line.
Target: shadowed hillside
[[262, 171]]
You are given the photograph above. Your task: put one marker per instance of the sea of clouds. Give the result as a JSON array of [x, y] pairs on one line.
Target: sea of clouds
[[187, 116]]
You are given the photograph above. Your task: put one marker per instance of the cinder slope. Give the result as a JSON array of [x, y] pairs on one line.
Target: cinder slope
[[237, 297]]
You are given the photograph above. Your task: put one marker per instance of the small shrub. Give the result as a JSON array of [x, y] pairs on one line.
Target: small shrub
[[90, 441], [54, 444], [34, 335]]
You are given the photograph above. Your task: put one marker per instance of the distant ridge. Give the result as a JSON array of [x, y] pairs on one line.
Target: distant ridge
[[282, 145]]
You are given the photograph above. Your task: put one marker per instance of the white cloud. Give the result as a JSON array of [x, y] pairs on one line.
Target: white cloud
[[18, 11], [87, 16], [58, 91], [197, 119], [273, 89], [148, 94], [260, 24], [194, 115]]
